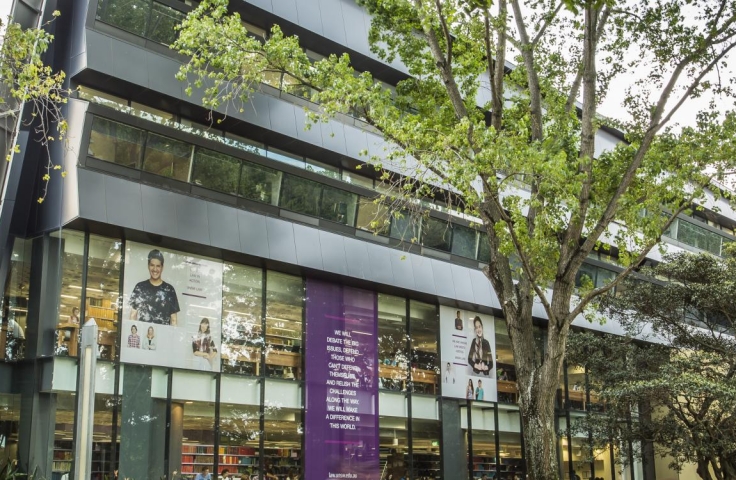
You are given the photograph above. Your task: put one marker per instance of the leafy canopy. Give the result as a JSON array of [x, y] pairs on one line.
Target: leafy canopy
[[687, 380]]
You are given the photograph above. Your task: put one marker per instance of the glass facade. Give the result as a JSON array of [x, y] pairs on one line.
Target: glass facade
[[248, 416]]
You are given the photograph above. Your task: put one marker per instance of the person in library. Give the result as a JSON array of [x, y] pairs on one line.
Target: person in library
[[203, 347], [204, 474], [149, 343], [154, 300], [480, 356], [225, 474]]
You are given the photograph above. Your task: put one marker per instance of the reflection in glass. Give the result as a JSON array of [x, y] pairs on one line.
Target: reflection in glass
[[284, 316], [15, 302], [484, 248], [167, 157], [426, 448], [436, 234], [71, 244], [372, 216], [394, 447], [103, 283], [300, 195], [198, 436], [215, 171], [164, 21], [464, 241], [505, 371], [259, 183], [239, 439], [392, 355], [116, 143], [338, 205], [241, 319], [424, 355], [9, 428], [283, 442], [129, 15], [405, 226]]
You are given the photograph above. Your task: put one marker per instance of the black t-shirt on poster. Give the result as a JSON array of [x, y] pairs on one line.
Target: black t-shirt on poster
[[155, 304]]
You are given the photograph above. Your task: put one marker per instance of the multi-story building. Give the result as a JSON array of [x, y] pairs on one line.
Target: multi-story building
[[261, 228]]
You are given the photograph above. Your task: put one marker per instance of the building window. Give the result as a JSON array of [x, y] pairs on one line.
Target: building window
[[393, 357], [259, 183], [425, 361], [239, 440], [167, 157], [215, 171], [373, 216], [284, 317], [116, 143], [71, 244], [15, 302], [464, 241], [144, 18], [437, 234], [242, 305], [338, 205], [300, 195], [103, 284]]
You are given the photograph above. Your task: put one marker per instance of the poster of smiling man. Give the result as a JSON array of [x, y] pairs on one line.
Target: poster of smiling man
[[172, 308], [468, 349]]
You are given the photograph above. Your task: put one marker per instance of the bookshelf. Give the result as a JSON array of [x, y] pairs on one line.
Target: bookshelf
[[238, 459], [489, 467]]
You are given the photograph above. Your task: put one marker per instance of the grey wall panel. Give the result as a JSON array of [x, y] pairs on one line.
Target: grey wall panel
[[333, 24], [333, 137], [333, 253], [482, 291], [308, 251], [263, 4], [380, 264], [286, 9], [161, 75], [402, 270], [423, 275], [256, 111], [463, 286], [281, 244], [355, 26], [443, 279], [283, 118], [191, 219], [313, 135], [91, 196], [159, 211], [100, 51], [223, 223], [253, 236], [128, 63], [123, 203], [355, 140], [357, 256], [309, 16]]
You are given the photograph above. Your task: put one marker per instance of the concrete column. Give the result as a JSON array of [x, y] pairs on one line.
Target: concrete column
[[143, 426], [454, 449], [176, 436]]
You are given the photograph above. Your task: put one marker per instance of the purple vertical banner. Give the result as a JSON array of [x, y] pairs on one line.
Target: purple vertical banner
[[341, 413]]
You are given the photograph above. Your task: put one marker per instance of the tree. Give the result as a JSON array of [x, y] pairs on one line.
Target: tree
[[684, 386], [27, 82], [466, 122]]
